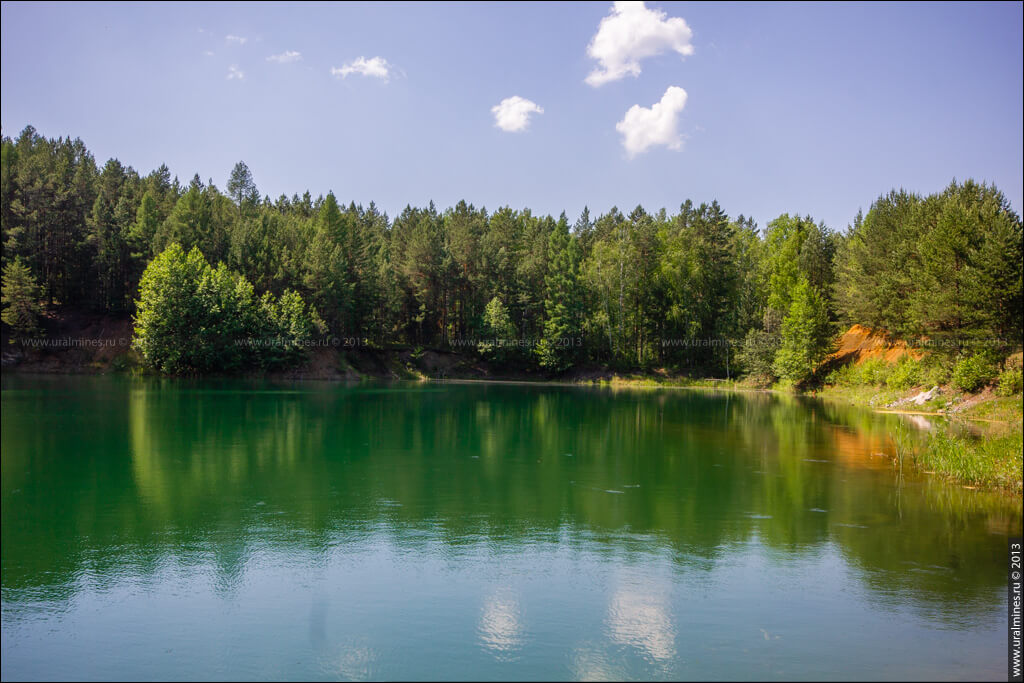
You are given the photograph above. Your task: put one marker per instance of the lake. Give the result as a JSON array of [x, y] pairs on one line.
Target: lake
[[230, 529]]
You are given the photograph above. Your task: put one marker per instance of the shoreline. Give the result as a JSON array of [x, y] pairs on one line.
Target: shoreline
[[983, 461], [609, 381]]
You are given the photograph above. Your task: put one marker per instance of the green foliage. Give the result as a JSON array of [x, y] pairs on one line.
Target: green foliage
[[242, 188], [559, 346], [870, 372], [147, 223], [629, 291], [936, 369], [805, 335], [873, 371], [288, 322], [49, 191], [757, 355], [992, 461], [947, 265], [872, 274], [905, 374], [21, 307], [192, 317], [797, 248], [973, 372], [125, 362], [784, 237], [326, 269], [499, 332], [1011, 381]]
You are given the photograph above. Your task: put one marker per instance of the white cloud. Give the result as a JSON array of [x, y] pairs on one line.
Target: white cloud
[[377, 67], [235, 73], [632, 33], [643, 128], [239, 40], [512, 114], [285, 57], [209, 53]]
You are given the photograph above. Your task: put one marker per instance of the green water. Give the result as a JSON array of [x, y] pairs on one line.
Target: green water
[[172, 529]]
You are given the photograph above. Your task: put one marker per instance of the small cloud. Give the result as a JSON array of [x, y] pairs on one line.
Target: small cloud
[[512, 114], [285, 57], [630, 34], [235, 73], [209, 53], [237, 40], [644, 128], [377, 67]]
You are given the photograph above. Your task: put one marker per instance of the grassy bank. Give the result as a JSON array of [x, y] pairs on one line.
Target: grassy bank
[[994, 457], [871, 396], [987, 455], [659, 380], [989, 460]]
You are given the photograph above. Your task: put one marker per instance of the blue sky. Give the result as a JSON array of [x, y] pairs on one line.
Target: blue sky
[[814, 109]]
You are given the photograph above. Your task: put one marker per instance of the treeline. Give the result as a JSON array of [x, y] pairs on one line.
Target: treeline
[[696, 290]]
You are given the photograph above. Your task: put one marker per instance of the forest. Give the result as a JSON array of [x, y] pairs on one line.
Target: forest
[[697, 290]]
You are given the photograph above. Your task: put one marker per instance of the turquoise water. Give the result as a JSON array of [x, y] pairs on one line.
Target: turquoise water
[[213, 529]]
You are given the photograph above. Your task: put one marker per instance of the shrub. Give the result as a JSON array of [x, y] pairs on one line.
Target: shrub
[[841, 377], [935, 370], [1011, 381], [971, 373], [123, 362], [832, 378], [872, 372], [905, 375]]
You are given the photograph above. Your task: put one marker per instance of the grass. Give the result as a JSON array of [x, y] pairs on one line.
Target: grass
[[904, 447], [1001, 409], [648, 381], [878, 397], [867, 395], [992, 461], [655, 381]]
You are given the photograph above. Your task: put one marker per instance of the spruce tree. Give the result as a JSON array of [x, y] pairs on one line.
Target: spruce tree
[[21, 307], [558, 347]]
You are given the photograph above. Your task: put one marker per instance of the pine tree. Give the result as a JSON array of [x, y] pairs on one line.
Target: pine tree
[[559, 347], [190, 222], [109, 227], [242, 188], [143, 232], [326, 268], [874, 284], [21, 307]]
